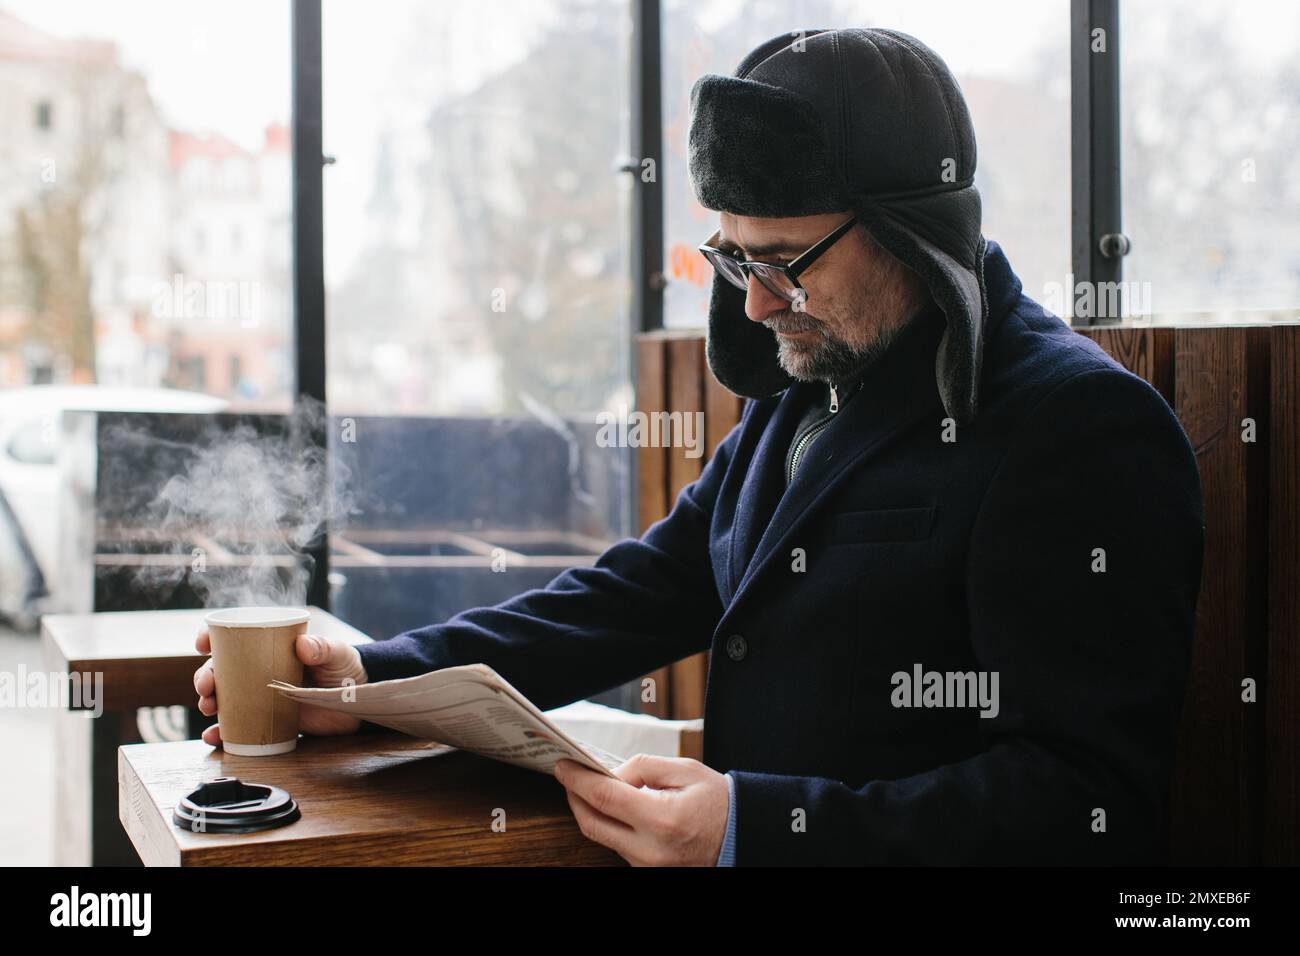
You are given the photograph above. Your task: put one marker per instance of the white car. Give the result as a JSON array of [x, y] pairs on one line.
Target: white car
[[30, 426]]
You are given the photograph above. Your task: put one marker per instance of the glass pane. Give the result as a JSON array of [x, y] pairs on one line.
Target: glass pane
[[144, 267], [1211, 154], [476, 269], [144, 233], [144, 204], [1014, 71]]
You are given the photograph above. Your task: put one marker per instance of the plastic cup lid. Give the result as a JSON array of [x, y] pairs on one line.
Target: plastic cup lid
[[228, 805]]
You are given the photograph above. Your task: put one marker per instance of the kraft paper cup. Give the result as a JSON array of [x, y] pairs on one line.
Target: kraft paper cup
[[252, 646]]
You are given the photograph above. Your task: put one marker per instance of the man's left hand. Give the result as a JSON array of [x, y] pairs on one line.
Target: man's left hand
[[674, 813]]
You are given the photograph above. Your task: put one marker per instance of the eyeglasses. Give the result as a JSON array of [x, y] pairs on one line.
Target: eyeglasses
[[780, 279]]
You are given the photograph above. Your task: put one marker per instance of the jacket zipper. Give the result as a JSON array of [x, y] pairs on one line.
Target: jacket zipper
[[813, 431]]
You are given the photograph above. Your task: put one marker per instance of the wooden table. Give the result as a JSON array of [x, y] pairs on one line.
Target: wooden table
[[146, 659], [366, 799]]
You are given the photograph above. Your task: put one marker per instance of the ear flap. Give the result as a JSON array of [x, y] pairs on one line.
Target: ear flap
[[955, 281], [741, 353]]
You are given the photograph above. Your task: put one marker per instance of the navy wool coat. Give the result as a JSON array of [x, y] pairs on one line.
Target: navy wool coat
[[1056, 540]]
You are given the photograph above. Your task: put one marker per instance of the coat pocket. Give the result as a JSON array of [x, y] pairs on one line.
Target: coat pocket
[[880, 524]]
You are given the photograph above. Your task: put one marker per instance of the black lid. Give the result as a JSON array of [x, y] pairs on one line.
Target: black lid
[[228, 805]]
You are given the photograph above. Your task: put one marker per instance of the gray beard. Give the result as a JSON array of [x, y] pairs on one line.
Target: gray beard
[[833, 360]]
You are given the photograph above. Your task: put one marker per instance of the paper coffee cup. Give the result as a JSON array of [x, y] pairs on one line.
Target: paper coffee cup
[[252, 646]]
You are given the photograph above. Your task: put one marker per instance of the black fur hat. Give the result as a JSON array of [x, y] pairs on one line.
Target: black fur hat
[[861, 119]]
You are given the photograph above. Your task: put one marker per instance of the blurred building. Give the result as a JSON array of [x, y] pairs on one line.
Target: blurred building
[[130, 253], [225, 307], [83, 209]]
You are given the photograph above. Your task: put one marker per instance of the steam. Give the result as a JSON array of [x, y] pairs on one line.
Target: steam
[[237, 518]]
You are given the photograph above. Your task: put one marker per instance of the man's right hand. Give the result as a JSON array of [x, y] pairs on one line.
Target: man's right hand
[[327, 662]]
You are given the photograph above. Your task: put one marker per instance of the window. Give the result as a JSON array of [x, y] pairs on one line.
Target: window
[[1209, 95], [476, 273], [105, 274]]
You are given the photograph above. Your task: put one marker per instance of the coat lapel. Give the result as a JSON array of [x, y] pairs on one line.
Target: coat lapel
[[764, 483], [899, 391]]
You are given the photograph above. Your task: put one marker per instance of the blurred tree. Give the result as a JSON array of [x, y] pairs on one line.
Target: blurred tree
[[525, 202], [56, 229]]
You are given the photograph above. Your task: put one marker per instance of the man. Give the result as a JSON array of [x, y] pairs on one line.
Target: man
[[947, 564]]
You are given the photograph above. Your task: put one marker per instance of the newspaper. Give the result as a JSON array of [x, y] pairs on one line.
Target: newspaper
[[470, 707]]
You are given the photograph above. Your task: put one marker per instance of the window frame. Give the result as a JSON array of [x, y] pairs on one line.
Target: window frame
[[1098, 244]]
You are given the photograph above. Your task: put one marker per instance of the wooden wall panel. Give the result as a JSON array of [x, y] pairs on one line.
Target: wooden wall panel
[[1214, 377], [686, 373], [652, 481], [685, 360], [1282, 690], [674, 377], [722, 410], [651, 463], [1214, 807], [1145, 351]]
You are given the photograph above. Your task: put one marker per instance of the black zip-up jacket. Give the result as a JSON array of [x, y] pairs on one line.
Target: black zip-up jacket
[[819, 416], [830, 397]]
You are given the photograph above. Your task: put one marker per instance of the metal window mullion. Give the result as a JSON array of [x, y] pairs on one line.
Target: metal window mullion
[[647, 211], [647, 143], [1095, 210], [308, 245]]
